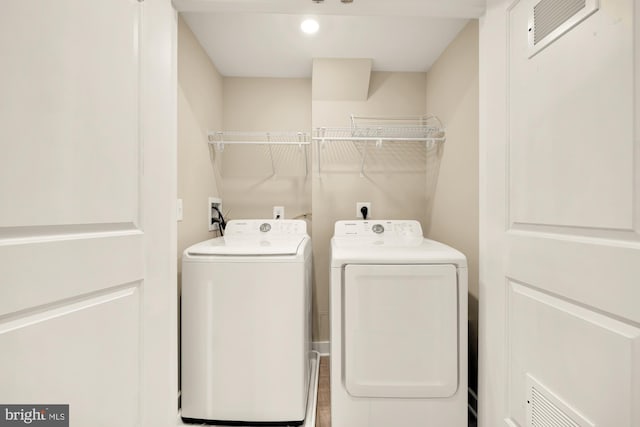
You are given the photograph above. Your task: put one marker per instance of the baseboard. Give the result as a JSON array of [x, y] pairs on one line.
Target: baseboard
[[322, 347]]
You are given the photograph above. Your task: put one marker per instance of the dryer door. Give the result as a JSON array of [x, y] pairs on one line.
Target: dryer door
[[400, 330]]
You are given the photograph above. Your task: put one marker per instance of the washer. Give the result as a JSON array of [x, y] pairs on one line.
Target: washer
[[246, 324], [398, 327]]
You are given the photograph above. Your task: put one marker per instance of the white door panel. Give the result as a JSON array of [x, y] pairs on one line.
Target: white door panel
[[560, 220], [588, 359], [601, 273], [41, 272], [75, 255], [571, 151], [85, 353], [69, 112]]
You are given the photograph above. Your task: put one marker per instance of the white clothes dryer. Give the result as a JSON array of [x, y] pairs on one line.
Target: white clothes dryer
[[246, 324], [398, 310]]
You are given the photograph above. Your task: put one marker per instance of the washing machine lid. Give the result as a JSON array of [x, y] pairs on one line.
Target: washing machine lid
[[255, 238], [388, 241]]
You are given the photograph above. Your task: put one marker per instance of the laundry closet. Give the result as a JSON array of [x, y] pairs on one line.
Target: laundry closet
[[256, 142], [126, 139]]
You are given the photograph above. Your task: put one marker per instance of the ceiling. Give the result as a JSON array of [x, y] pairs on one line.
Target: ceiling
[[262, 38]]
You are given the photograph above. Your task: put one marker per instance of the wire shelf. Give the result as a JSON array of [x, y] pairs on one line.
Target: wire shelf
[[219, 138], [427, 129], [409, 128]]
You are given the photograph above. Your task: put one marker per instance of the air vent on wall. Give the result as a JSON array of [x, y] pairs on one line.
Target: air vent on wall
[[544, 409], [549, 19]]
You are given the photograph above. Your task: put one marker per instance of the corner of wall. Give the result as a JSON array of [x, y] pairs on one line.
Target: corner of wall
[[453, 95], [199, 111]]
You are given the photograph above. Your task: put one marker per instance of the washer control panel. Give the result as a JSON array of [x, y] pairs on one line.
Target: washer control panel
[[377, 228], [380, 229], [271, 227], [265, 227]]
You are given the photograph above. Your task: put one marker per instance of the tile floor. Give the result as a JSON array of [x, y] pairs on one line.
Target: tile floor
[[323, 410]]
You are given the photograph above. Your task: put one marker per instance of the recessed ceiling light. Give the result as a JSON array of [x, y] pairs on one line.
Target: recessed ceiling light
[[309, 26]]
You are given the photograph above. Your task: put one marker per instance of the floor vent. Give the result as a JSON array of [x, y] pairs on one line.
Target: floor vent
[[549, 19], [544, 409]]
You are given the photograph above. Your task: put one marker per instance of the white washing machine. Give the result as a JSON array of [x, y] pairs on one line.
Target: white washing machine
[[246, 324], [398, 327]]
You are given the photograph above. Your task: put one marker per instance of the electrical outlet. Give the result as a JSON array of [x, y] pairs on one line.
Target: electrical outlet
[[213, 215], [359, 206], [278, 212]]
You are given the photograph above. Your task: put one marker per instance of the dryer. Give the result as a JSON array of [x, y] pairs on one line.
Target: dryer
[[246, 324], [398, 310]]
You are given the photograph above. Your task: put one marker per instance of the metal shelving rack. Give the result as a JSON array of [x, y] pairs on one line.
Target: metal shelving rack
[[426, 128], [221, 138]]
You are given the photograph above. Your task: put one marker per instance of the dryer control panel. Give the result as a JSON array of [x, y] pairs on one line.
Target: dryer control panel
[[378, 228]]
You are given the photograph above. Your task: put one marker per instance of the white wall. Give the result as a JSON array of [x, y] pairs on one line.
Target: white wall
[[200, 91], [250, 187], [159, 134], [452, 94], [492, 215]]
